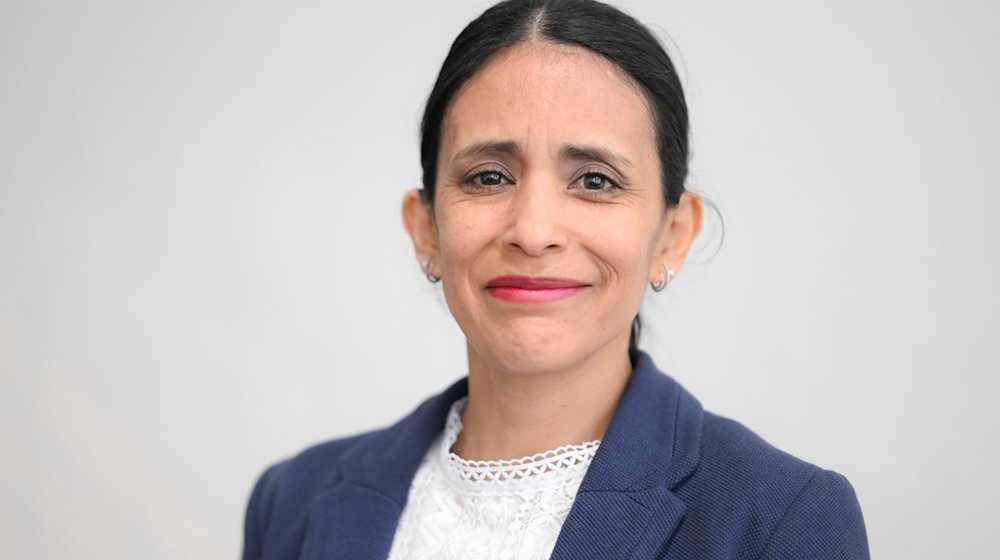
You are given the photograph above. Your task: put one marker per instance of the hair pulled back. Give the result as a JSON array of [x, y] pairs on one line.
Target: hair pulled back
[[593, 25]]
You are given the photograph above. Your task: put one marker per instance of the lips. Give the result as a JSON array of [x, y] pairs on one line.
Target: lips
[[533, 289]]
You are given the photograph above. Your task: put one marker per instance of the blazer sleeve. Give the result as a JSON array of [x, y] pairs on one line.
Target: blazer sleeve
[[257, 514], [823, 522]]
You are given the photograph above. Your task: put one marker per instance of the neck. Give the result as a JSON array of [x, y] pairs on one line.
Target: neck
[[516, 413]]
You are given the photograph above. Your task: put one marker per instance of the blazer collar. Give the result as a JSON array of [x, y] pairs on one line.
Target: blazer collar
[[624, 507], [356, 516]]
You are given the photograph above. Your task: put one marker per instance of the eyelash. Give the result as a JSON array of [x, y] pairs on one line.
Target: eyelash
[[471, 182], [613, 189]]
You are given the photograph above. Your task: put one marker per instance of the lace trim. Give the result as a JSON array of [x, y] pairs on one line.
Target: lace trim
[[554, 464]]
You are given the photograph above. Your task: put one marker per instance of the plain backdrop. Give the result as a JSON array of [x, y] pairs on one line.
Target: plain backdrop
[[203, 270]]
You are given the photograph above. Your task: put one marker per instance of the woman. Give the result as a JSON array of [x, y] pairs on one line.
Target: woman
[[554, 153]]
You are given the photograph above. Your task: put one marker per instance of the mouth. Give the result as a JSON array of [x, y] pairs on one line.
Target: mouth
[[533, 289]]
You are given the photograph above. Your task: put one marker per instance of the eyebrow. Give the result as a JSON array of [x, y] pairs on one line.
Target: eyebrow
[[570, 152], [489, 147], [593, 153]]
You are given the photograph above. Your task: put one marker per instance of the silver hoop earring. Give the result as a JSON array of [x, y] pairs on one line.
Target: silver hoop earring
[[427, 271], [666, 277]]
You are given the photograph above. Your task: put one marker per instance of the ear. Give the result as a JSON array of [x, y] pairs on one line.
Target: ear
[[418, 219], [683, 222]]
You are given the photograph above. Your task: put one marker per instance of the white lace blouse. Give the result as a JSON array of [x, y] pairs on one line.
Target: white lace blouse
[[488, 510]]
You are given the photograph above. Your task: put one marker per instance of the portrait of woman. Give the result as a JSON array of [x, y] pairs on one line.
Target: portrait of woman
[[554, 152], [499, 279]]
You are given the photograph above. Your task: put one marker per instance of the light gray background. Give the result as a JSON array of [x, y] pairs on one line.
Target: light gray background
[[202, 267]]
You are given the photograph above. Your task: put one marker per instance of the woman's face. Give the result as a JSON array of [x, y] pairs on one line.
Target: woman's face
[[549, 218]]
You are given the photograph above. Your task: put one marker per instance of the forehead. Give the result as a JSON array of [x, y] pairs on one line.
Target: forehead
[[538, 93]]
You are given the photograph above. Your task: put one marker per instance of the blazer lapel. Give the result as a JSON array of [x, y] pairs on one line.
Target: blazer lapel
[[356, 517], [619, 524], [625, 507], [352, 522]]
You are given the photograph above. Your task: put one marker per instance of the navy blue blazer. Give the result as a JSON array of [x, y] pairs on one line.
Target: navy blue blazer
[[669, 481]]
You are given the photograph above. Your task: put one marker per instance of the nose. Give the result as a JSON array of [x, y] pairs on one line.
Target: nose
[[536, 218]]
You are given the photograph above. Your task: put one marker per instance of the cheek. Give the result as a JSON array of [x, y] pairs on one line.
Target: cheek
[[464, 233], [624, 246]]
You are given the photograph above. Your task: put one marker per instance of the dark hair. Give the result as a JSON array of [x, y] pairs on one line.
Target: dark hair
[[598, 27]]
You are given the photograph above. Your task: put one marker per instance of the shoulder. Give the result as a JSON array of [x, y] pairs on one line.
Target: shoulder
[[381, 460], [310, 470], [282, 494], [768, 501], [732, 451]]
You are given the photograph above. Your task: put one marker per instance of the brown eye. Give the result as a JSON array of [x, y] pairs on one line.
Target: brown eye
[[599, 184], [485, 180], [594, 181], [490, 178]]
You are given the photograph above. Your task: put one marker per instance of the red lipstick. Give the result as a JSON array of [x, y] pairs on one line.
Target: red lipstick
[[533, 289]]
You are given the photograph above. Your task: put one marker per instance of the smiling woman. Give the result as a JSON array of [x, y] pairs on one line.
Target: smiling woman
[[548, 177], [554, 154]]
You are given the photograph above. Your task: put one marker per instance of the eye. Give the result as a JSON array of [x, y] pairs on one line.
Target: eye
[[593, 181], [599, 184], [487, 179]]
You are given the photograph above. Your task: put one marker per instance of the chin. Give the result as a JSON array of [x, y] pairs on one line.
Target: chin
[[531, 362], [523, 354]]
